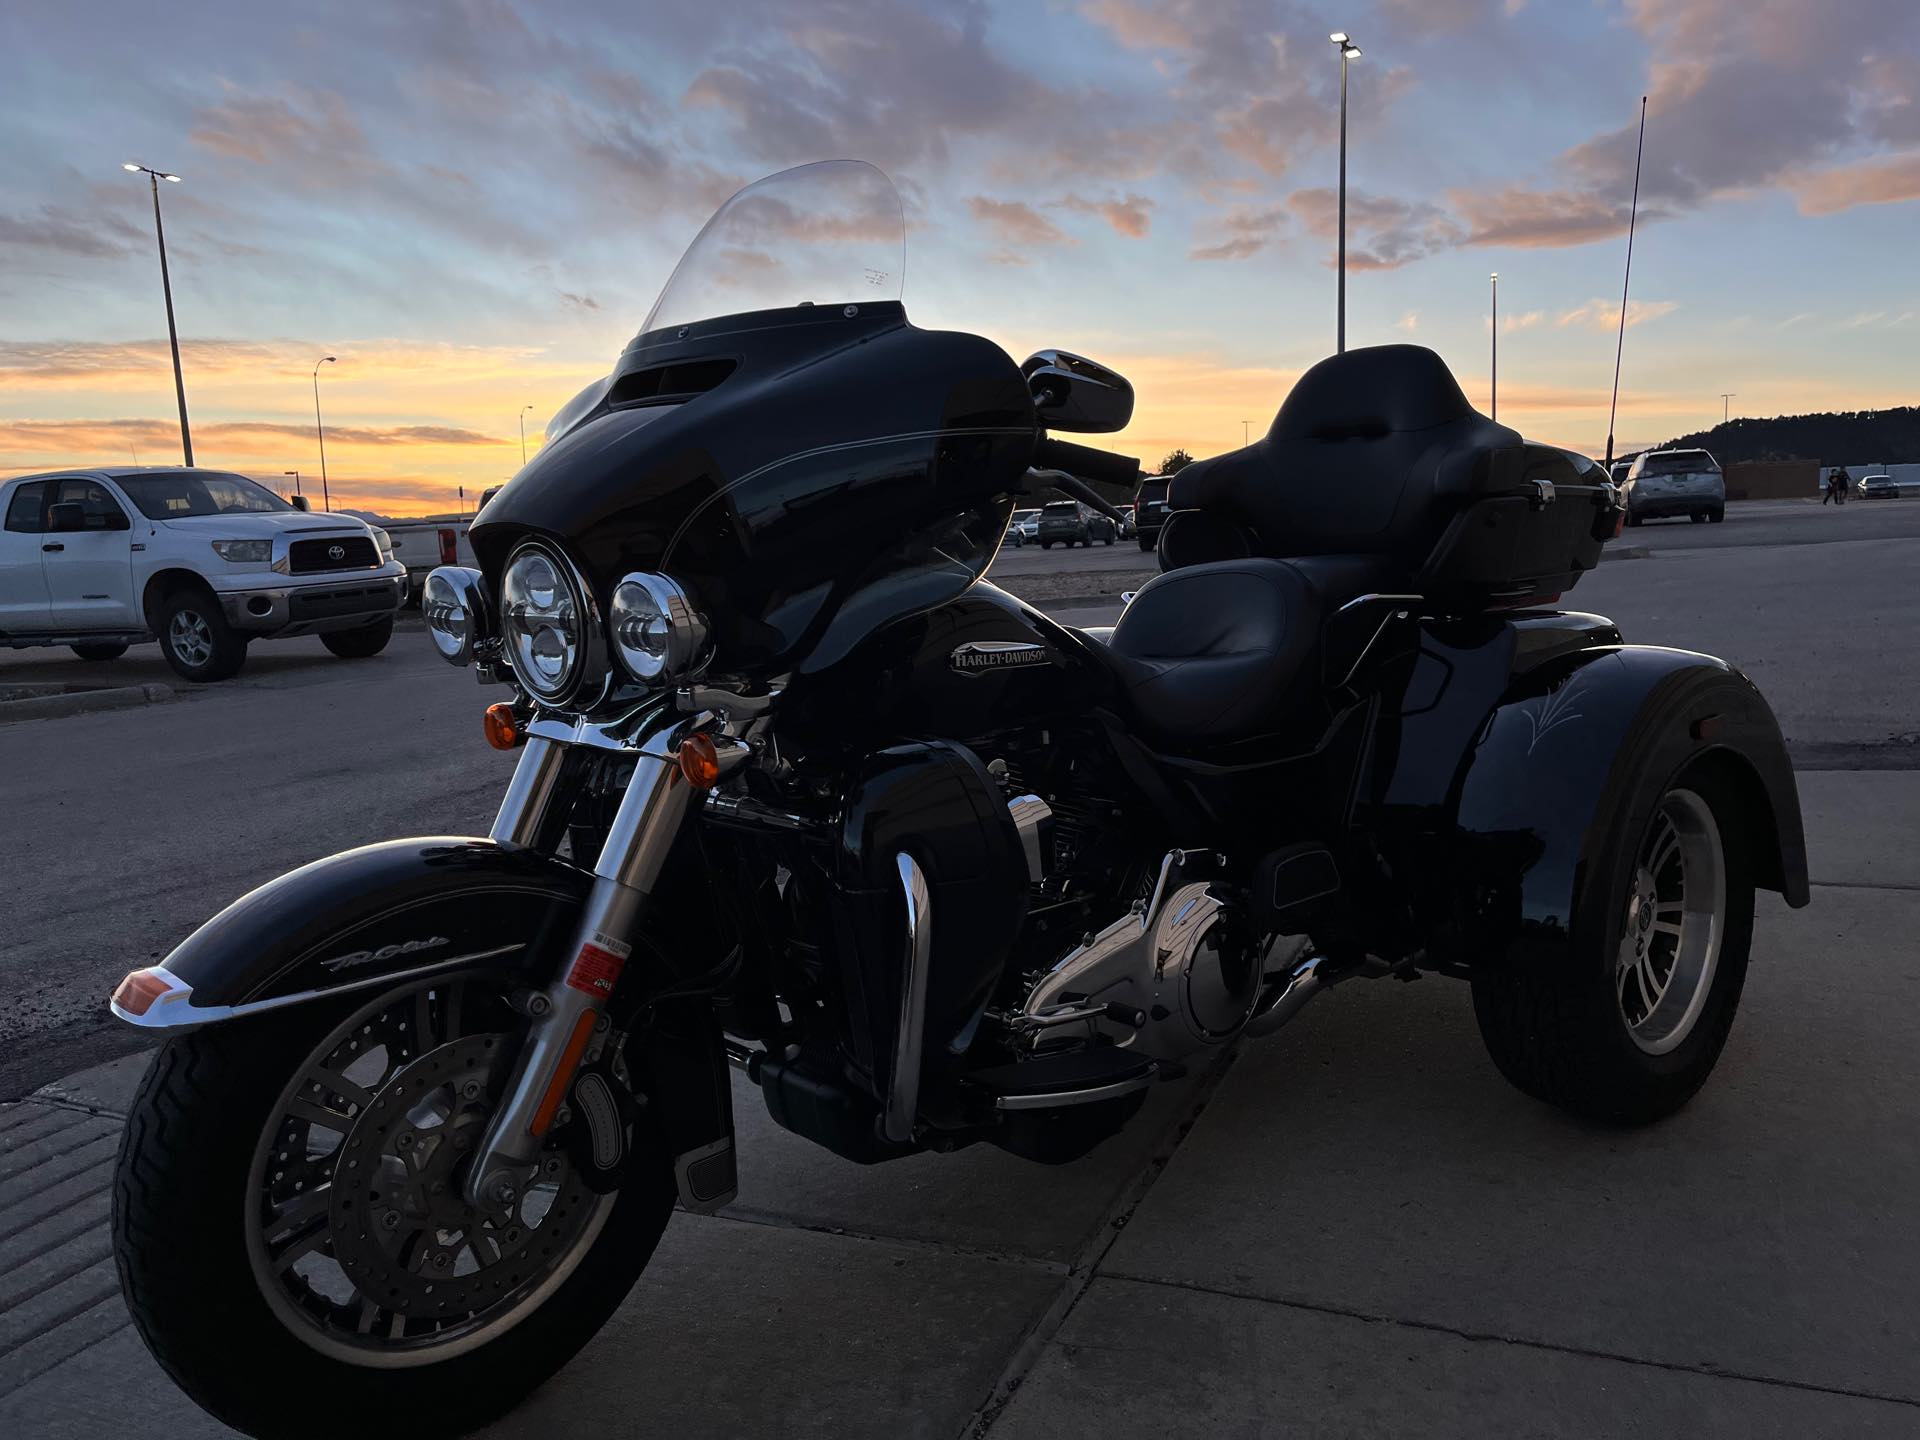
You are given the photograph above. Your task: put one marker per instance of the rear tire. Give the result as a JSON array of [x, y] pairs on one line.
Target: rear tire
[[196, 639], [1716, 516], [1145, 543], [1564, 1033], [1697, 517], [102, 650], [1046, 544], [182, 1209], [360, 643]]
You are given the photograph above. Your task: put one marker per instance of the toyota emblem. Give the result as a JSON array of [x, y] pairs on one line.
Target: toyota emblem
[[336, 552]]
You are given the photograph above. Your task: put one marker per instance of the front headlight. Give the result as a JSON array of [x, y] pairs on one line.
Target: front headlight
[[383, 540], [543, 622], [454, 605], [244, 552], [657, 633]]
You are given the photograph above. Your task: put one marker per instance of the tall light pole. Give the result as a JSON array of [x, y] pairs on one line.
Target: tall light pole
[[1493, 390], [523, 433], [1726, 405], [154, 177], [326, 500], [1348, 51], [296, 479], [1246, 433]]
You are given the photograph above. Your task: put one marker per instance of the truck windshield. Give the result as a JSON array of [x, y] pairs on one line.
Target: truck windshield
[[174, 495]]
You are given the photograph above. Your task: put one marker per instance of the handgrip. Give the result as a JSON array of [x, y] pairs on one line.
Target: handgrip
[[1086, 462]]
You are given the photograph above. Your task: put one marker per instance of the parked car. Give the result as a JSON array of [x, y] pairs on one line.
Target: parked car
[[1879, 487], [1675, 482], [424, 545], [1127, 524], [1149, 510], [203, 560], [1024, 528], [1068, 522]]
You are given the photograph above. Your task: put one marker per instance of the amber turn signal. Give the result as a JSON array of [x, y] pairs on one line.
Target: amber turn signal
[[502, 730], [700, 762], [136, 994]]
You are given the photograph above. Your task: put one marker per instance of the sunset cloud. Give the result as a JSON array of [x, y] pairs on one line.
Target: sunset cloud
[[1131, 216], [1867, 182], [1604, 315], [1013, 222]]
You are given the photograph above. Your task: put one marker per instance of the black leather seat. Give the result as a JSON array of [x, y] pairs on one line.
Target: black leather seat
[[1372, 453], [1229, 650]]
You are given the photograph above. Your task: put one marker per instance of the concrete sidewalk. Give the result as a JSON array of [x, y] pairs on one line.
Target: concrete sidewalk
[[1355, 1228]]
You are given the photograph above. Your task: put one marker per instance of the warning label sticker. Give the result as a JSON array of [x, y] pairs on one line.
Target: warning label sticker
[[595, 969]]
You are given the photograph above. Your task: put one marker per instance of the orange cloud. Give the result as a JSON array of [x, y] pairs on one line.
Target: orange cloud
[[1868, 182]]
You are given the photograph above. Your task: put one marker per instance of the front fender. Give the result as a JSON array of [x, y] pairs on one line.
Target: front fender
[[355, 920], [1569, 747]]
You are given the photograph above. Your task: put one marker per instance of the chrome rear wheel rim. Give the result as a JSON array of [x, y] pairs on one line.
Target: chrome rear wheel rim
[[1676, 918]]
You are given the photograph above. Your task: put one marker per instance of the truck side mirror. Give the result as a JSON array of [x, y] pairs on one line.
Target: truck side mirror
[[299, 502], [1072, 392]]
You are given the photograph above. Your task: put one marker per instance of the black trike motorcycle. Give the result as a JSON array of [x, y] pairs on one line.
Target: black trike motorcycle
[[799, 793]]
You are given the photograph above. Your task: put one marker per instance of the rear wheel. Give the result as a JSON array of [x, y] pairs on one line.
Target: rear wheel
[[1717, 515], [1697, 517], [1633, 1024], [292, 1238], [1046, 544], [100, 650], [361, 642], [196, 639]]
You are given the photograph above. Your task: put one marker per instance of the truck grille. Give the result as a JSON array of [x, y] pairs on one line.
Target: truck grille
[[342, 552], [324, 604]]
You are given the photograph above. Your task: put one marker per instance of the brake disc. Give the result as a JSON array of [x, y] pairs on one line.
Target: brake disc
[[402, 1230]]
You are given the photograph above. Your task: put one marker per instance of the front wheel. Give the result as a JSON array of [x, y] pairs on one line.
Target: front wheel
[[293, 1242], [1632, 1024], [196, 639], [360, 642]]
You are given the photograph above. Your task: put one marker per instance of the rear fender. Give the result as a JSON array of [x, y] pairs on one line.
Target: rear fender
[[364, 918]]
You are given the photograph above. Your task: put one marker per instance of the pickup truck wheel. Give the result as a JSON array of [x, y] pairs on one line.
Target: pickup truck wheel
[[196, 639], [103, 650], [359, 643]]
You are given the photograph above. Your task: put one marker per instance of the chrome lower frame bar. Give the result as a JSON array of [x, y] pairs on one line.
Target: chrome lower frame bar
[[564, 1017]]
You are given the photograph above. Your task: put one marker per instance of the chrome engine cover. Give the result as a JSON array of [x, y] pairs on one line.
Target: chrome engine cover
[[1184, 961]]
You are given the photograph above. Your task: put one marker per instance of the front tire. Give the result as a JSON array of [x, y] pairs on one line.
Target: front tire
[[1629, 1028], [361, 642], [196, 639], [248, 1280]]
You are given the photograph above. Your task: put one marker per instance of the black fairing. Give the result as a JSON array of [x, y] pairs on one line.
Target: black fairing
[[469, 895], [937, 803], [809, 475], [945, 674]]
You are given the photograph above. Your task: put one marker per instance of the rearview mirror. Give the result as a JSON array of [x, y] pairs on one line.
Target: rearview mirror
[[1072, 392]]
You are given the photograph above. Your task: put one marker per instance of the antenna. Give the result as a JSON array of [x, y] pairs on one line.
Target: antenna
[[1620, 344]]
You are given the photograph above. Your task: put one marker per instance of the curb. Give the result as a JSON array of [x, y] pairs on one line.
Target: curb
[[1626, 552], [52, 707]]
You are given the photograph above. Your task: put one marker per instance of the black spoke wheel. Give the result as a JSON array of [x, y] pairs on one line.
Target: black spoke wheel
[[291, 1230]]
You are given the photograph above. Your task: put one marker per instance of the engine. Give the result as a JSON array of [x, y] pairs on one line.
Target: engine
[[1177, 973]]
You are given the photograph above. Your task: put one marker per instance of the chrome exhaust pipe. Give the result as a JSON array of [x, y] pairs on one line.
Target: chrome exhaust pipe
[[1285, 1000]]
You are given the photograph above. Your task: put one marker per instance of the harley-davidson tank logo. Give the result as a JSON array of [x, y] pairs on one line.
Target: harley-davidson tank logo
[[385, 952], [977, 657]]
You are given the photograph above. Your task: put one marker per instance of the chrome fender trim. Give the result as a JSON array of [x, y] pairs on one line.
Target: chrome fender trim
[[903, 1097]]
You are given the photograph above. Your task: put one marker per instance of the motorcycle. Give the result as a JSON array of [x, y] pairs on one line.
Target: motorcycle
[[798, 793]]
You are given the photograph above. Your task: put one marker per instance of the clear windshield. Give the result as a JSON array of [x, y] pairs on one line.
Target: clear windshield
[[178, 494], [826, 234]]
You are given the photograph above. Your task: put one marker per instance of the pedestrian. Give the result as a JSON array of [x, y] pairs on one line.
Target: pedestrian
[[1837, 480]]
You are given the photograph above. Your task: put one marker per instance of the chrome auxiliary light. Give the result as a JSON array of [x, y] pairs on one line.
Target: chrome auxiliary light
[[657, 633], [454, 604]]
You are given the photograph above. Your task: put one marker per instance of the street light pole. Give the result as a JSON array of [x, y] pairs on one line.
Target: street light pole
[[326, 500], [1493, 390], [154, 177], [523, 433], [1246, 433], [1726, 405], [1348, 51], [296, 479]]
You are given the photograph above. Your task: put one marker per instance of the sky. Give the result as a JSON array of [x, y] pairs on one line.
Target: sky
[[473, 203]]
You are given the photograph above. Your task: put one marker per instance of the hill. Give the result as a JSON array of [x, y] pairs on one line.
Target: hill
[[1851, 437]]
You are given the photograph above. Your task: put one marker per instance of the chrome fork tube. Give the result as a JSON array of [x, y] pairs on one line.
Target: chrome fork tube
[[565, 1015], [530, 818]]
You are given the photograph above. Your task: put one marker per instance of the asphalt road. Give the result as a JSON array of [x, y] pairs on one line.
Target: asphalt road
[[1355, 1227]]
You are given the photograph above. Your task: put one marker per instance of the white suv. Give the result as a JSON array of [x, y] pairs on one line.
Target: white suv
[[204, 560]]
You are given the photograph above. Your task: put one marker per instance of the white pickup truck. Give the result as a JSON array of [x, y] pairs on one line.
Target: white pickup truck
[[203, 560]]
